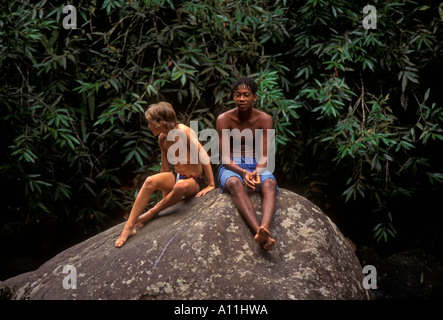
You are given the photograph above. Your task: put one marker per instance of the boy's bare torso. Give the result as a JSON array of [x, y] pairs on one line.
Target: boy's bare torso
[[230, 120], [184, 165]]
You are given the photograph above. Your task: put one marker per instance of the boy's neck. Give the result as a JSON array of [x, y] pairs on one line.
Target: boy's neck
[[244, 115], [165, 130]]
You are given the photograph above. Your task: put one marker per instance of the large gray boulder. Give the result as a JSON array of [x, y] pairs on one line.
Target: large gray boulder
[[202, 249]]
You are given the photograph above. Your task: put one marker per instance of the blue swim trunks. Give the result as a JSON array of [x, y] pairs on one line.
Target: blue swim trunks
[[249, 164]]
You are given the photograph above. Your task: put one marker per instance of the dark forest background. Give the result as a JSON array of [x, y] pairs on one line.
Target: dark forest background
[[358, 112]]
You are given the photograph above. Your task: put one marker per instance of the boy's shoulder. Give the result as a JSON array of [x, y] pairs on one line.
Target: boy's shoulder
[[183, 127], [261, 114], [163, 138], [230, 115]]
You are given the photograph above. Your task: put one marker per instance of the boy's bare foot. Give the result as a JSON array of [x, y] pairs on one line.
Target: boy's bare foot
[[268, 244], [142, 220], [126, 233], [139, 224], [262, 235]]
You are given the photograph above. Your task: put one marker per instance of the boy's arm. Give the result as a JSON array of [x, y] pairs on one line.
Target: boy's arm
[[165, 167], [207, 168], [267, 124], [224, 147], [204, 159]]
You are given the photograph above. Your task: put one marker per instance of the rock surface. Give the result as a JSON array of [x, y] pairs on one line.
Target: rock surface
[[202, 249]]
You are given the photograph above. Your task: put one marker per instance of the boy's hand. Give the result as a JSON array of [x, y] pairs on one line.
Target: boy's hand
[[205, 191], [252, 179]]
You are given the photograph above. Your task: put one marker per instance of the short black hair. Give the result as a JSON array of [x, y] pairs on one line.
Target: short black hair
[[245, 82]]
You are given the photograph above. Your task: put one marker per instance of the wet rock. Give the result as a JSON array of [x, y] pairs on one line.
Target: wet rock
[[202, 249]]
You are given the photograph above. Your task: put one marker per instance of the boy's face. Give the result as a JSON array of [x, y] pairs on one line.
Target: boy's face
[[155, 127], [244, 98]]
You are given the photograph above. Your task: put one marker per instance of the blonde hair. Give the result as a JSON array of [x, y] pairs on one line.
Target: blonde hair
[[162, 112]]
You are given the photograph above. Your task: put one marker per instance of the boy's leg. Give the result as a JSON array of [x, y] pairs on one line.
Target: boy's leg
[[162, 181], [269, 191], [242, 202], [183, 188], [244, 205]]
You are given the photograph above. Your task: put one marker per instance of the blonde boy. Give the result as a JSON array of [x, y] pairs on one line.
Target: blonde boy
[[184, 181]]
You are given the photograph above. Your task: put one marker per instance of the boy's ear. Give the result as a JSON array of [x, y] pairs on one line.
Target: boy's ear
[[255, 97]]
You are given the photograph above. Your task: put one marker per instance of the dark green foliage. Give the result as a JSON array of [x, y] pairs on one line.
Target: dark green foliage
[[355, 110], [367, 93]]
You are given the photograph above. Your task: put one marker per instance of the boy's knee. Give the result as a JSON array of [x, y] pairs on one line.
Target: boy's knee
[[149, 183], [234, 183], [269, 185], [180, 187]]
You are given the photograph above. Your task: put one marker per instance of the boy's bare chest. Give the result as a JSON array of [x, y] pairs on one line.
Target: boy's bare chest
[[244, 128], [251, 123]]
